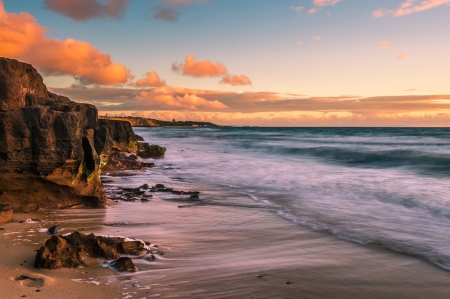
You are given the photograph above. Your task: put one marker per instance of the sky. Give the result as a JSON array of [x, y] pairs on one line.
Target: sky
[[242, 62]]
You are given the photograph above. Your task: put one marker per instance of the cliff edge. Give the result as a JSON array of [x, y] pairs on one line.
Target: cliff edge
[[49, 153]]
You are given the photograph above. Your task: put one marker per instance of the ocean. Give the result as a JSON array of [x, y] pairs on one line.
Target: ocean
[[388, 186], [352, 203]]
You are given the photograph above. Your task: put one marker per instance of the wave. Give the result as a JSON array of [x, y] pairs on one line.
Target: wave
[[431, 163], [422, 251]]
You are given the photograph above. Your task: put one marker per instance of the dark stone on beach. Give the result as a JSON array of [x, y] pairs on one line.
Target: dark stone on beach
[[148, 165], [69, 251], [151, 258], [145, 186], [132, 157], [5, 215], [160, 186], [124, 264], [54, 230], [195, 196], [152, 151]]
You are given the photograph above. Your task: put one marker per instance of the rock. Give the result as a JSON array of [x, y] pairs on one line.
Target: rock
[[152, 151], [124, 264], [160, 186], [195, 196], [17, 81], [145, 186], [54, 230], [47, 154], [5, 215], [69, 251]]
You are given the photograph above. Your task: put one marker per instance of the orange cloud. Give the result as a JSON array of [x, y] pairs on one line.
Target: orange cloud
[[151, 80], [83, 10], [317, 37], [236, 80], [22, 38], [206, 68], [325, 2], [388, 46], [201, 68], [166, 97], [409, 7]]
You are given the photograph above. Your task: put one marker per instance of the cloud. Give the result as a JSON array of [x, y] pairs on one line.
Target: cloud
[[317, 37], [22, 38], [236, 80], [165, 97], [313, 10], [325, 2], [176, 2], [175, 99], [300, 43], [297, 8], [151, 80], [181, 2], [83, 10], [387, 45], [167, 14], [266, 108], [201, 68], [206, 68], [410, 7]]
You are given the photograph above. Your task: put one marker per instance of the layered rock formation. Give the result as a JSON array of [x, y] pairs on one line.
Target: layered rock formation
[[50, 146], [70, 251]]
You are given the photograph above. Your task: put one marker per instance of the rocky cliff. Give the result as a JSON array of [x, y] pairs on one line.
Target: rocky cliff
[[50, 146]]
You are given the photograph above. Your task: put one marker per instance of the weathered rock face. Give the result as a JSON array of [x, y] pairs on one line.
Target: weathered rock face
[[17, 80], [47, 153], [114, 135], [69, 251], [51, 148]]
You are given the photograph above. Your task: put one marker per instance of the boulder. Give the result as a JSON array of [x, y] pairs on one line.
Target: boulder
[[124, 264], [152, 151], [69, 251], [5, 215]]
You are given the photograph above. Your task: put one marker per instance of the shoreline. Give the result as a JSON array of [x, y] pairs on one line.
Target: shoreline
[[215, 251]]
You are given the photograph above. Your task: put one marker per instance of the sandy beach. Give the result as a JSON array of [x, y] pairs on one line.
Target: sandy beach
[[213, 251]]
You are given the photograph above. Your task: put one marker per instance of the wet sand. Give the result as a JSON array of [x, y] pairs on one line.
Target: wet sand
[[214, 251], [18, 242]]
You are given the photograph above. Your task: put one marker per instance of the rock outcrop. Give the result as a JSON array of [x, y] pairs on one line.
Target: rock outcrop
[[151, 151], [5, 214], [70, 251], [51, 148]]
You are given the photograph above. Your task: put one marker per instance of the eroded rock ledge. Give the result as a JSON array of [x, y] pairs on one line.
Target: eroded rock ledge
[[51, 148]]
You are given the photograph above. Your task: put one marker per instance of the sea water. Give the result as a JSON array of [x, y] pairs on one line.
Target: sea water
[[386, 186]]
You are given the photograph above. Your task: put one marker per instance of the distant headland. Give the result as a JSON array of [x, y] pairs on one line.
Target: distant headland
[[150, 122]]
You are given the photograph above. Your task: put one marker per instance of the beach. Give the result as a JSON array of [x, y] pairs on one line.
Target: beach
[[215, 252], [251, 233]]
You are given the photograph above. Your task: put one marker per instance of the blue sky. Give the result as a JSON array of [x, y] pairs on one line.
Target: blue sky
[[341, 51]]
